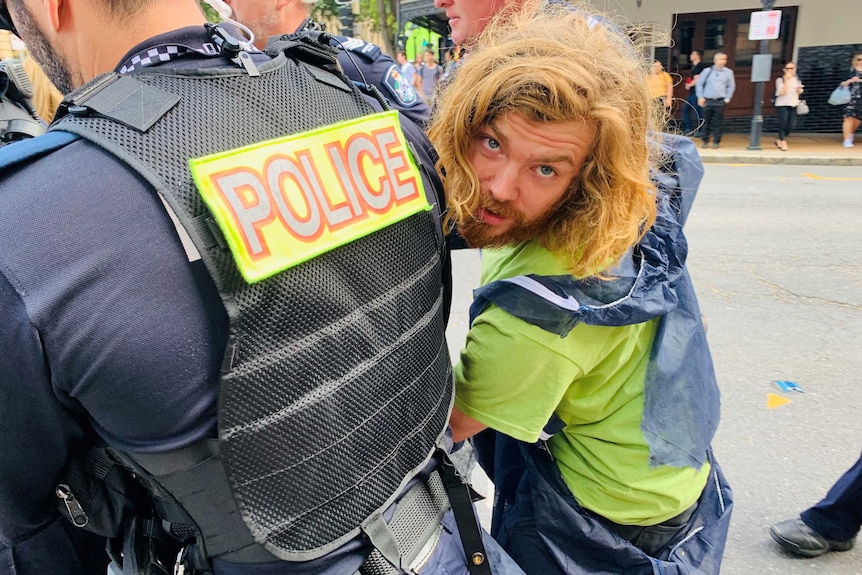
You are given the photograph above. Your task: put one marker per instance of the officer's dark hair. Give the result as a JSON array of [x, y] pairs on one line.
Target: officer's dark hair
[[698, 52]]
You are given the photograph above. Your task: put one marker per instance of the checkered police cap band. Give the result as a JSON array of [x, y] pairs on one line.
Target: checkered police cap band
[[153, 56]]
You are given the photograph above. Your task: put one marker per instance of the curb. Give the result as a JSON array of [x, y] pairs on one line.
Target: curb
[[743, 158]]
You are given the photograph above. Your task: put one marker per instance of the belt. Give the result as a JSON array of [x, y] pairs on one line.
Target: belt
[[415, 525]]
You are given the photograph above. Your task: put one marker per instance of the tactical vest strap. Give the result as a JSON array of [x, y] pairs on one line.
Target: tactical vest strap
[[308, 47], [123, 99], [191, 483], [31, 149], [412, 534]]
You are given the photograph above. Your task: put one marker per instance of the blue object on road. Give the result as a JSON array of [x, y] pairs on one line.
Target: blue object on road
[[788, 386]]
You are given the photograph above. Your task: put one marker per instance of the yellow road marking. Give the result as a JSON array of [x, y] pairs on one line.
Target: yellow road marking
[[816, 177], [773, 401]]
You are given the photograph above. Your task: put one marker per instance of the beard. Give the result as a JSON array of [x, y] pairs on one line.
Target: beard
[[478, 234], [53, 64], [263, 27]]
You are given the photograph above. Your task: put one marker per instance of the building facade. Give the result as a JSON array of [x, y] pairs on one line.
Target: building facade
[[821, 36]]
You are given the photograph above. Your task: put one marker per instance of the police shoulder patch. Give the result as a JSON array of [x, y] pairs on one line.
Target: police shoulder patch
[[399, 87], [367, 50]]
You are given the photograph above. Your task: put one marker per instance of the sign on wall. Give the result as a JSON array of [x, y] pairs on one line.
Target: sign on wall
[[765, 25]]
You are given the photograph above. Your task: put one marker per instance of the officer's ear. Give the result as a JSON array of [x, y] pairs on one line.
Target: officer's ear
[[53, 9]]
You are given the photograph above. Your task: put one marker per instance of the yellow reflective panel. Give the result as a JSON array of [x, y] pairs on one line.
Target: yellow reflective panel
[[282, 202]]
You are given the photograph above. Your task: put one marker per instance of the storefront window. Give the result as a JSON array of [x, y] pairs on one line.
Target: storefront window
[[745, 48], [683, 43], [714, 37]]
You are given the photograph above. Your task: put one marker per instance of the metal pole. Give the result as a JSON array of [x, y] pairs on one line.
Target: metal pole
[[398, 32], [757, 117]]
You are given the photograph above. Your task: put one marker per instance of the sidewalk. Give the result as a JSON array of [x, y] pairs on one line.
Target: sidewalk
[[804, 149]]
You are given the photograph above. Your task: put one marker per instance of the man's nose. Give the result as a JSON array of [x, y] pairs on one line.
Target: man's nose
[[503, 184], [441, 3]]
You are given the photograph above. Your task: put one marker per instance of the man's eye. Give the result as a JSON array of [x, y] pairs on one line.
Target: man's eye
[[546, 171], [491, 143]]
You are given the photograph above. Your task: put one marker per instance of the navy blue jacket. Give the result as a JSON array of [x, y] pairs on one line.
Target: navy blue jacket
[[105, 325], [366, 63]]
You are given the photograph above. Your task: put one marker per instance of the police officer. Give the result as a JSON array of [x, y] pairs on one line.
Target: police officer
[[195, 364], [18, 116], [361, 61]]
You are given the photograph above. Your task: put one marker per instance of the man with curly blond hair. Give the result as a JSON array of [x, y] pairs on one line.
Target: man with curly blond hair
[[587, 354]]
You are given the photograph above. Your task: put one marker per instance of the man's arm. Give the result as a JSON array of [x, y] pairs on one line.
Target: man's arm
[[692, 82], [699, 88], [37, 431], [464, 426], [510, 378]]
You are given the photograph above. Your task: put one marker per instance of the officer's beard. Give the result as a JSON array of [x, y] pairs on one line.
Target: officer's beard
[[53, 64], [478, 234]]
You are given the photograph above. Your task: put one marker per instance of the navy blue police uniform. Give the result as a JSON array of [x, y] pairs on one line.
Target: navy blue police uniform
[[366, 63], [108, 328], [360, 59]]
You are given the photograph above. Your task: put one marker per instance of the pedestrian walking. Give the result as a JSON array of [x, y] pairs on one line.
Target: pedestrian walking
[[428, 77], [692, 113], [715, 88], [788, 87], [853, 109]]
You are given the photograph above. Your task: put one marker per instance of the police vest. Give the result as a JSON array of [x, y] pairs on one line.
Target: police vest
[[336, 383]]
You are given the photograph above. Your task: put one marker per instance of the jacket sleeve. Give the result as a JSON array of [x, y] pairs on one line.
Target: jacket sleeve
[[36, 430]]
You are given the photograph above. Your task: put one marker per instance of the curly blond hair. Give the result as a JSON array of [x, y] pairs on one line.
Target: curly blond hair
[[559, 64]]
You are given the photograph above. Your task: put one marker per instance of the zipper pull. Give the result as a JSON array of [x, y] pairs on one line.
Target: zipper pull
[[543, 445], [76, 512]]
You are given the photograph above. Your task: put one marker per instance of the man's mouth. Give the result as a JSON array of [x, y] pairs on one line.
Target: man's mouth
[[492, 219]]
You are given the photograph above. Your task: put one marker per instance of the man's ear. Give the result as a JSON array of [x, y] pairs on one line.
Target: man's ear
[[57, 11]]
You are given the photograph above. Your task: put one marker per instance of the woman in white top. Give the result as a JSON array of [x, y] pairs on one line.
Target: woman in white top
[[787, 90]]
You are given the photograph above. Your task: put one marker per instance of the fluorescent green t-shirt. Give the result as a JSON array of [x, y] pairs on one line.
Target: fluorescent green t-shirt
[[513, 376]]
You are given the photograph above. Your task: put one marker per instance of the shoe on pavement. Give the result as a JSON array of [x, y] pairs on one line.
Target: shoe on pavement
[[705, 144], [848, 143], [715, 145], [800, 539]]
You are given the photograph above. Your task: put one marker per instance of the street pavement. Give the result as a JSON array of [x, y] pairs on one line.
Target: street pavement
[[774, 254]]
